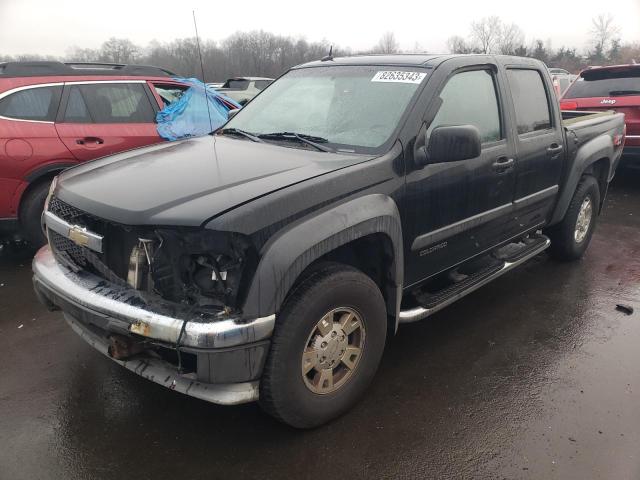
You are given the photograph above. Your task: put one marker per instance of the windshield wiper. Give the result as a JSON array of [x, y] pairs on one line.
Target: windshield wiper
[[300, 137], [621, 93], [237, 131]]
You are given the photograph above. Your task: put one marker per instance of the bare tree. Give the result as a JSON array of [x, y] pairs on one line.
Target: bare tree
[[457, 44], [486, 32], [510, 38], [603, 30], [118, 50], [387, 44]]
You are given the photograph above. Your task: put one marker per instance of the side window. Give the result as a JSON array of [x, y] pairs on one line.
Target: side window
[[38, 103], [469, 98], [169, 93], [529, 100], [108, 103]]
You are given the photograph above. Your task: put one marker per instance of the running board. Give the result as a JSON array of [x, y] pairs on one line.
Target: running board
[[418, 313]]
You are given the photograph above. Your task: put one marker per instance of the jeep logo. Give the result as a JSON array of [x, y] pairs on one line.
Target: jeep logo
[[608, 101]]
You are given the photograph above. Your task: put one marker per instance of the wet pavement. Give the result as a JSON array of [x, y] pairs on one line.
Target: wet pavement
[[536, 375]]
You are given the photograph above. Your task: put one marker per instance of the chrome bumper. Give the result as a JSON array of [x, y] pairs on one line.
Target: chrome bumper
[[91, 292], [93, 307]]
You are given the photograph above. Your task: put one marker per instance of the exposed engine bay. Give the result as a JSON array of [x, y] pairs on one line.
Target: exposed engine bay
[[199, 268]]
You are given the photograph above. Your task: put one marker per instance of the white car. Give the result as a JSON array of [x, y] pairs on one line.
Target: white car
[[243, 89]]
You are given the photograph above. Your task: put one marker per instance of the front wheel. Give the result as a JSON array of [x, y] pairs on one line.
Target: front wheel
[[326, 347], [570, 238]]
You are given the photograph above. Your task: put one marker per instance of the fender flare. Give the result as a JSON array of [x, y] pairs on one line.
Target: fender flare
[[285, 256], [592, 151]]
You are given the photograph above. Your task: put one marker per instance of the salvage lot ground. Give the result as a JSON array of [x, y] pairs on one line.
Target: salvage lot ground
[[534, 376]]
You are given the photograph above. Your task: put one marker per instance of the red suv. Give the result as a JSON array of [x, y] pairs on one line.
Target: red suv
[[54, 115], [611, 88]]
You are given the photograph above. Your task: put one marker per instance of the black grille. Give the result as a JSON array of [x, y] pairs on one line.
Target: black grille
[[118, 240], [71, 214], [64, 246]]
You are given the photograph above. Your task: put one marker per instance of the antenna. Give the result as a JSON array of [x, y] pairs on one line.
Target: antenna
[[328, 57], [195, 25]]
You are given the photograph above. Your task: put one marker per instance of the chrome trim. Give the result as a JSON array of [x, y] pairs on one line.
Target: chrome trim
[[25, 120], [633, 137], [93, 294], [64, 228], [418, 313], [29, 87], [165, 374], [92, 82]]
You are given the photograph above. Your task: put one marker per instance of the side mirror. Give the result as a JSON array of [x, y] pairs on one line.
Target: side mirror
[[454, 143], [451, 144], [232, 113]]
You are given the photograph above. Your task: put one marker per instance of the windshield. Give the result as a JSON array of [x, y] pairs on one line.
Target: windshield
[[605, 83], [351, 108]]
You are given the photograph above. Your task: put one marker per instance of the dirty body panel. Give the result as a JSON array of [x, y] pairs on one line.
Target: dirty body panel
[[185, 253]]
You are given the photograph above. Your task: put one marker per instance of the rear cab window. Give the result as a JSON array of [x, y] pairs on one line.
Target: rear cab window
[[262, 84], [617, 82], [108, 103], [33, 104], [530, 101], [237, 84]]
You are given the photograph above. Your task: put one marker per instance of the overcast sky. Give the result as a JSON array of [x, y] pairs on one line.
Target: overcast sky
[[52, 26]]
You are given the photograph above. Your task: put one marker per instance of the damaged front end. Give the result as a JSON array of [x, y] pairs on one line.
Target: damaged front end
[[165, 299], [191, 267]]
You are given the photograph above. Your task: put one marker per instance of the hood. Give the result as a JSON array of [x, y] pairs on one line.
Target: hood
[[185, 183]]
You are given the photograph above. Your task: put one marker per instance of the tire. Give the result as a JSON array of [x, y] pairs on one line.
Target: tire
[[31, 213], [285, 391], [569, 239]]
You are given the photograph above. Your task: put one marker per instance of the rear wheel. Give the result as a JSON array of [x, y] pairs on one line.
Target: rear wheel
[[31, 213], [570, 238], [326, 347]]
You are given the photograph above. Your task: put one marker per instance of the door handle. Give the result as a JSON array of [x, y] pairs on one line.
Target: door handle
[[555, 149], [89, 140], [503, 164]]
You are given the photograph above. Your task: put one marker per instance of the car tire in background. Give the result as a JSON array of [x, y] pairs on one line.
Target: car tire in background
[[570, 238], [31, 213], [326, 347]]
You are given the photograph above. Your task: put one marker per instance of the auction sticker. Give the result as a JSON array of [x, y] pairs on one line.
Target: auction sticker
[[398, 76]]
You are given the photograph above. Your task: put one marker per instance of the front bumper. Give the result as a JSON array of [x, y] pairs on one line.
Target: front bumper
[[230, 351]]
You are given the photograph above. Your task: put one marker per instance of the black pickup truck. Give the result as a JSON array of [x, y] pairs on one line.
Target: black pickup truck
[[273, 259]]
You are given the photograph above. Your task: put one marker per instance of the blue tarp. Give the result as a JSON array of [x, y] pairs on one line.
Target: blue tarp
[[189, 116]]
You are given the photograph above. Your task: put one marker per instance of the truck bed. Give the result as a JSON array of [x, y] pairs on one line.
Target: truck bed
[[572, 117]]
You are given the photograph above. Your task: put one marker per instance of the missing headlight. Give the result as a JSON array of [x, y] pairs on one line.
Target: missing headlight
[[202, 268]]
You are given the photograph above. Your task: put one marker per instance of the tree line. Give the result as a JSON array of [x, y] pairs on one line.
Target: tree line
[[260, 53], [492, 35]]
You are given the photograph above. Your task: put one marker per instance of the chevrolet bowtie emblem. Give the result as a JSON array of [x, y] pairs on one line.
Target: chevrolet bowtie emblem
[[78, 235]]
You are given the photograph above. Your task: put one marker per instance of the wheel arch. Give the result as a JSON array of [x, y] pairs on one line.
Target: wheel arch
[[37, 176], [594, 158], [371, 220]]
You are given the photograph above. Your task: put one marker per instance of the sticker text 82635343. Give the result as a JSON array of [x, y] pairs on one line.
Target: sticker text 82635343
[[398, 76]]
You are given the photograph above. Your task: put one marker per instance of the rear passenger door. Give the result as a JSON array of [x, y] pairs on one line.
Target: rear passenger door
[[539, 147], [102, 118]]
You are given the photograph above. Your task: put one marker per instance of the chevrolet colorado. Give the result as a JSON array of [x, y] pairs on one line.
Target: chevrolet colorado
[[273, 259]]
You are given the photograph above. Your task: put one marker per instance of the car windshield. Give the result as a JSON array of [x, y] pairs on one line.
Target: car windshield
[[605, 83], [350, 108]]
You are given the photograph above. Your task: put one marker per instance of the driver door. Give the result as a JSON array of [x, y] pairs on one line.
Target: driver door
[[457, 209]]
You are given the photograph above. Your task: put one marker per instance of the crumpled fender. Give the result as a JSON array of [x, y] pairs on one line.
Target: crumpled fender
[[289, 252]]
